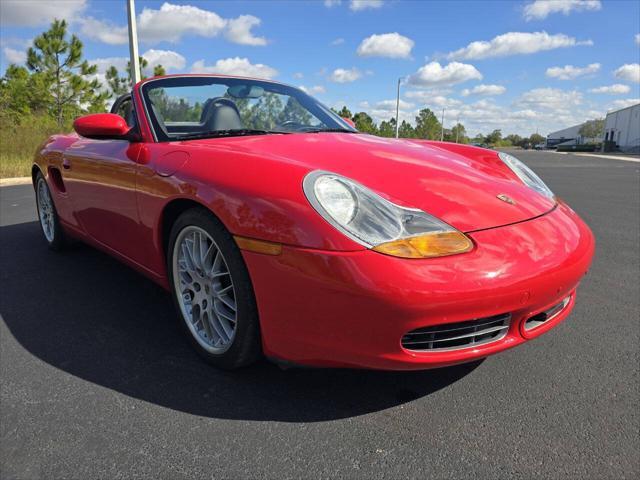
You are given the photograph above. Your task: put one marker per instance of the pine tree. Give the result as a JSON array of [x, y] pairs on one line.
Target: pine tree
[[427, 125], [345, 113], [159, 71], [118, 85], [364, 123], [59, 62]]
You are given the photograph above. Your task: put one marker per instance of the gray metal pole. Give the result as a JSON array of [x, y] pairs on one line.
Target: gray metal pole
[[442, 127], [133, 42], [457, 128], [398, 110]]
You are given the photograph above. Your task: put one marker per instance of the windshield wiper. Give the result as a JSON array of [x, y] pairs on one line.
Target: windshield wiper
[[331, 130], [234, 132]]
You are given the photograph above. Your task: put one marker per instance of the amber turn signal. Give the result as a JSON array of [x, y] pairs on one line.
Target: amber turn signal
[[258, 246], [437, 244]]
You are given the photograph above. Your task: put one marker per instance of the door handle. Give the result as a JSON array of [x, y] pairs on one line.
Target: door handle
[[66, 164]]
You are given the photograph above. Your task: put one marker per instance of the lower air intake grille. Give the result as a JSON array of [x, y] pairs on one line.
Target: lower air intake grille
[[547, 315], [453, 336]]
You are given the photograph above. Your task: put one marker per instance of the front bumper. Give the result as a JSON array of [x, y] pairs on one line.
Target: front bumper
[[351, 309]]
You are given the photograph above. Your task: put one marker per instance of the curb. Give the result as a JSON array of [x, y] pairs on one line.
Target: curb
[[610, 157], [9, 182], [628, 158]]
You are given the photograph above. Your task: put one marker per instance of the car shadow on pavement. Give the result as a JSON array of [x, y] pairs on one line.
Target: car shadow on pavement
[[86, 314]]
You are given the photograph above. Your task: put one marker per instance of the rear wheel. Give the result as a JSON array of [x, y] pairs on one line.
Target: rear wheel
[[212, 291], [48, 216]]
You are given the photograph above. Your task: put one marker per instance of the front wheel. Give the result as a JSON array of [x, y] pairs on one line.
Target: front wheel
[[212, 291], [49, 222]]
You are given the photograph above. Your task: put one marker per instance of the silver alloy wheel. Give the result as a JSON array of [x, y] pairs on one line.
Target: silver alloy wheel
[[45, 210], [204, 289]]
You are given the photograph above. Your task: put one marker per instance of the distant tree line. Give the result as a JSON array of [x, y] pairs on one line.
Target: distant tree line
[[427, 126]]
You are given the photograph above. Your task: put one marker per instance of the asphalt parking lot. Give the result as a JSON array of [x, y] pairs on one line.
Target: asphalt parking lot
[[97, 381]]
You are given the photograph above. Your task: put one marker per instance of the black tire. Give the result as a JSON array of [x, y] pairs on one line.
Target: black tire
[[56, 240], [245, 347]]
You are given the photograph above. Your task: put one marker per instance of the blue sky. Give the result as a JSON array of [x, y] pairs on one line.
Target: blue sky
[[520, 66]]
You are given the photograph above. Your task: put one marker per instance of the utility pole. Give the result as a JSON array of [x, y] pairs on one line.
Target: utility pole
[[457, 128], [442, 127], [133, 42], [398, 110]]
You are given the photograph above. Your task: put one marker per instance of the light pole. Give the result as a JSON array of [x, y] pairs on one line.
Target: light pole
[[398, 109], [133, 42], [457, 128], [442, 127]]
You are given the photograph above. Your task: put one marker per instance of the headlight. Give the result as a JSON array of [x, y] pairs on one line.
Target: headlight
[[525, 174], [378, 224]]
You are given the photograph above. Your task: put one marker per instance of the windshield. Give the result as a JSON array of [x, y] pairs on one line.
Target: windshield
[[200, 107]]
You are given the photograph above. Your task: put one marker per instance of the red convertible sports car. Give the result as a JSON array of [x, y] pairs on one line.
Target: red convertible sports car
[[281, 230]]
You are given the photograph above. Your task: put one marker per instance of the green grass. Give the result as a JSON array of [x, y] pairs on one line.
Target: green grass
[[19, 141], [15, 166]]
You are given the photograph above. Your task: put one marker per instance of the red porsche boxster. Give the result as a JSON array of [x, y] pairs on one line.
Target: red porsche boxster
[[280, 230]]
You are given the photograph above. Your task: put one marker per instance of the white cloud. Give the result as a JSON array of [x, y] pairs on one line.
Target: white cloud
[[103, 64], [389, 105], [312, 90], [425, 92], [170, 60], [33, 13], [342, 75], [629, 72], [569, 72], [386, 109], [433, 74], [485, 90], [627, 102], [540, 9], [171, 22], [391, 45], [239, 31], [337, 41], [550, 98], [298, 75], [14, 56], [355, 5], [358, 5], [443, 102], [515, 43], [235, 66], [615, 89], [637, 37], [103, 31], [426, 96]]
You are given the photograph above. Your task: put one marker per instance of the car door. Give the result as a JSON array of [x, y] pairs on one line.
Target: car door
[[100, 178]]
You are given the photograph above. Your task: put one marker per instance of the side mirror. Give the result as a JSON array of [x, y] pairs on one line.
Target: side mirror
[[349, 121], [102, 126]]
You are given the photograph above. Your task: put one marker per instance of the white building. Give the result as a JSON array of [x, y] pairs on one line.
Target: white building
[[569, 136], [622, 130]]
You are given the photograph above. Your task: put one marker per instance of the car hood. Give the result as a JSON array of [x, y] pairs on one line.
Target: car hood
[[461, 189]]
